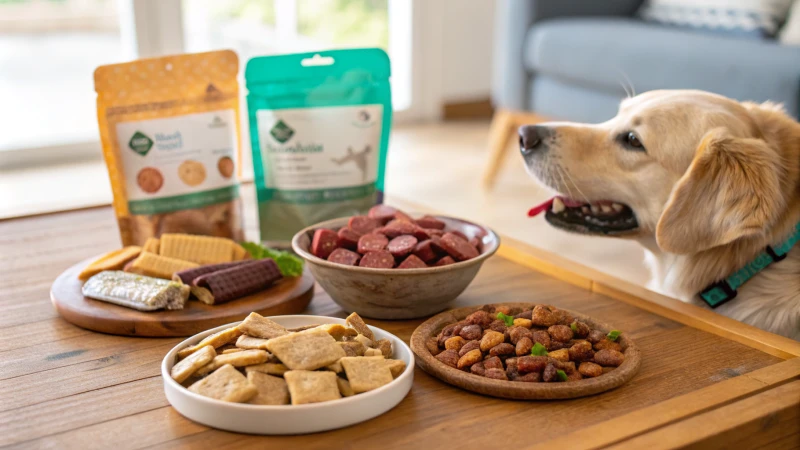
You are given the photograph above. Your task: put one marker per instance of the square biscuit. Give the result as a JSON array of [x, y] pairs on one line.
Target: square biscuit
[[251, 343], [256, 325], [187, 366], [373, 352], [226, 384], [366, 373], [344, 387], [306, 386], [335, 367], [271, 390], [268, 368], [236, 359], [396, 366], [306, 350], [215, 340], [355, 321]]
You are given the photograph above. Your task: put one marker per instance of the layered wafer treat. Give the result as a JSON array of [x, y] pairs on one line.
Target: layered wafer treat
[[198, 249], [136, 291], [115, 260], [159, 266], [188, 275], [228, 284]]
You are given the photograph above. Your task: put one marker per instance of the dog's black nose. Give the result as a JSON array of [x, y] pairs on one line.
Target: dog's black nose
[[530, 138]]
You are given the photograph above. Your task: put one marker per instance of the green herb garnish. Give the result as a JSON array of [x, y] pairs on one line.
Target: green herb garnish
[[538, 350], [289, 264], [509, 320], [561, 375], [613, 334], [574, 327]]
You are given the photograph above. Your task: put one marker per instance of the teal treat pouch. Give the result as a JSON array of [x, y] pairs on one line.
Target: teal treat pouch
[[319, 124]]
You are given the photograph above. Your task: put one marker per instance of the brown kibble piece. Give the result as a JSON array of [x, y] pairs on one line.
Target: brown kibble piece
[[531, 363], [561, 333], [498, 325], [608, 344], [496, 374], [482, 318], [541, 337], [550, 373], [469, 358], [542, 317], [471, 332], [607, 357], [478, 368], [581, 351], [590, 369], [432, 344], [446, 332], [596, 336], [517, 333], [502, 349], [563, 317], [532, 377], [581, 329], [493, 362], [454, 343], [449, 357], [491, 339], [524, 346], [469, 346]]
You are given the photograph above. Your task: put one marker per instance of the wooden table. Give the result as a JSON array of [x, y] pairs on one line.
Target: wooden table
[[705, 381]]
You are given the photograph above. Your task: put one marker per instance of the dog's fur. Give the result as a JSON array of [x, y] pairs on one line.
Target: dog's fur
[[718, 181]]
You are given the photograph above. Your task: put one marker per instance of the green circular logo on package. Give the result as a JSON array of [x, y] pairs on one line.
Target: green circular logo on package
[[140, 143], [281, 132]]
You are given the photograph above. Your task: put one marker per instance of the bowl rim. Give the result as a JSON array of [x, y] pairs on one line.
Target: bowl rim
[[210, 402], [305, 254]]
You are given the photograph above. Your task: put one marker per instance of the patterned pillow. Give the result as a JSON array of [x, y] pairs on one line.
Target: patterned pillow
[[747, 17], [790, 34]]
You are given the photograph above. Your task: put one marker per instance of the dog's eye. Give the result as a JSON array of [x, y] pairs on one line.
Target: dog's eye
[[631, 140]]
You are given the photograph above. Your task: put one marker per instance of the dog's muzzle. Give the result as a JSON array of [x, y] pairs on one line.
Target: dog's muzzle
[[531, 139]]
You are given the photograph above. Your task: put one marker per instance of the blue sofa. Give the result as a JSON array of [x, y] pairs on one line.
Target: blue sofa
[[565, 59]]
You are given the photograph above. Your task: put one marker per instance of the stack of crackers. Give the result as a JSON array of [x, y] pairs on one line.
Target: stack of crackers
[[262, 363]]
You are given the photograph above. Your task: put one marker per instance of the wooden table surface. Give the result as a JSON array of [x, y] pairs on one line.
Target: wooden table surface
[[65, 387]]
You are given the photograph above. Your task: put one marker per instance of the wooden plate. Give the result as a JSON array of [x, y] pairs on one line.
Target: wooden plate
[[289, 296], [515, 389]]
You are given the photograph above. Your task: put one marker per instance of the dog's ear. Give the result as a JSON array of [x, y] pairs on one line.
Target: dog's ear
[[731, 190]]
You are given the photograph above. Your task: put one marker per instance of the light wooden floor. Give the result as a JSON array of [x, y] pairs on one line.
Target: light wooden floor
[[437, 165]]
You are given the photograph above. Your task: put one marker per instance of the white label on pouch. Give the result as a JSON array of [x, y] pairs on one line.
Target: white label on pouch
[[320, 147], [179, 155]]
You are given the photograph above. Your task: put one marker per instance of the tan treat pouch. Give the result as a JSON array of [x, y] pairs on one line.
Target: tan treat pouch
[[170, 133]]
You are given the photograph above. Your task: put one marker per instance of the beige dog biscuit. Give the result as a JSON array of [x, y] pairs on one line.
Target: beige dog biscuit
[[373, 352], [312, 387], [237, 359], [344, 387], [355, 321], [249, 342], [215, 340], [193, 173], [186, 367], [385, 346], [258, 326], [367, 342], [228, 385], [396, 367], [353, 348], [277, 369], [232, 350], [366, 373], [271, 390], [337, 331], [306, 350], [335, 367]]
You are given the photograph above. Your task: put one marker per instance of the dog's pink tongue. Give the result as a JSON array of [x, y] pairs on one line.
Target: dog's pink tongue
[[536, 210]]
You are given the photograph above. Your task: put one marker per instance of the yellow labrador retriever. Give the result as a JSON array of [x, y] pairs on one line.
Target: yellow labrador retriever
[[709, 186]]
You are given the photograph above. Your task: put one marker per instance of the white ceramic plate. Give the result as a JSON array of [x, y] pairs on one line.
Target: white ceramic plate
[[289, 419]]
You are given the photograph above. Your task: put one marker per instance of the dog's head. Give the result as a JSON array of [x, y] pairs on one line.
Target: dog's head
[[694, 169]]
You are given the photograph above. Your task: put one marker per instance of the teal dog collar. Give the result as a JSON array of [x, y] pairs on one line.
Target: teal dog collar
[[725, 290]]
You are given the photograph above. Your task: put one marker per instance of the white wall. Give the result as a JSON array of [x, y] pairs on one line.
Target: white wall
[[467, 31]]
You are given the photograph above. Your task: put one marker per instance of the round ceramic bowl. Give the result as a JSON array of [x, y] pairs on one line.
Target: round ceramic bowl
[[396, 293], [289, 419]]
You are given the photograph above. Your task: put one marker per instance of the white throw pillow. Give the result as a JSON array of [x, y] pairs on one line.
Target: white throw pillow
[[790, 34], [757, 18]]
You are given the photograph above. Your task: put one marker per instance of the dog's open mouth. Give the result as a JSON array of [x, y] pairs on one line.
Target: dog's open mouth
[[599, 217]]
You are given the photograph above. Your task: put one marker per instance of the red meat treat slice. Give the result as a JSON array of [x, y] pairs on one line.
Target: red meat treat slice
[[398, 228], [344, 256], [324, 242], [377, 260], [362, 224], [436, 244], [372, 242], [458, 248], [434, 232], [412, 262], [424, 251], [382, 213], [447, 260], [348, 238], [401, 246], [475, 242], [400, 215], [421, 234], [430, 222], [460, 234]]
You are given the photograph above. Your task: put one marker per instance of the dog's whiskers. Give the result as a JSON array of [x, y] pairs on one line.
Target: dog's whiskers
[[569, 177], [629, 89]]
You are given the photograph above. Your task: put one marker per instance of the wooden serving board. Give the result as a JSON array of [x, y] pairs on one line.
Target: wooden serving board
[[289, 296], [514, 389]]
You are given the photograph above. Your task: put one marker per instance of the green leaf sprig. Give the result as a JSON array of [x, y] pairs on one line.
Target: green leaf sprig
[[509, 320], [561, 375], [613, 335], [289, 264], [574, 327], [538, 350]]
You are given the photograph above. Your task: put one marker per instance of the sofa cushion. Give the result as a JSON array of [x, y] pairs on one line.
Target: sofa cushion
[[602, 53]]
